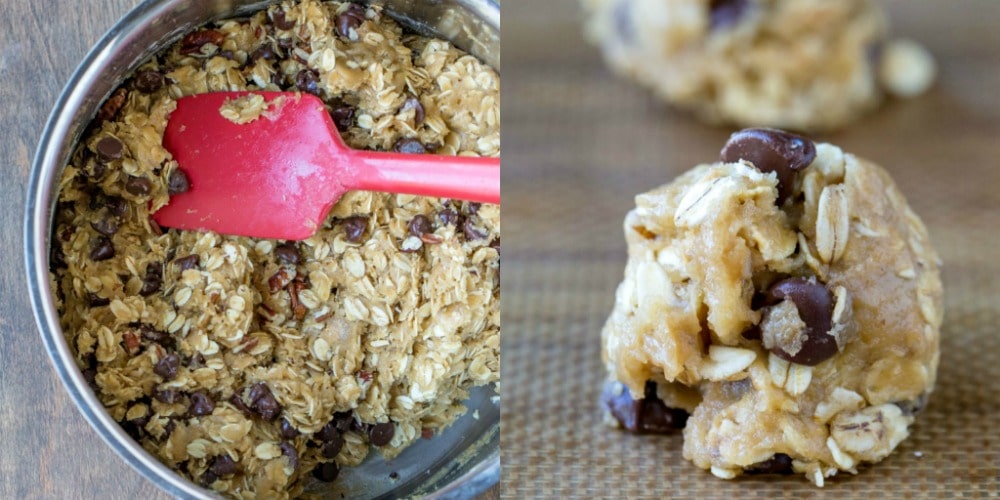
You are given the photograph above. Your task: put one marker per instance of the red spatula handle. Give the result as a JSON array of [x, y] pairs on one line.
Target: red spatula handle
[[459, 177]]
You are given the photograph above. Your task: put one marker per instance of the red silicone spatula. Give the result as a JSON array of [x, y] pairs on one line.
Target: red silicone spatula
[[278, 175]]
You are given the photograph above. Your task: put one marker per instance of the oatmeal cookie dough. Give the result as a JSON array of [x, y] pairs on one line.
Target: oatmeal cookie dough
[[800, 64], [781, 305], [254, 366]]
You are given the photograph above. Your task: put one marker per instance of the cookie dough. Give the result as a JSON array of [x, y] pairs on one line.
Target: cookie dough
[[252, 366], [781, 305], [801, 64]]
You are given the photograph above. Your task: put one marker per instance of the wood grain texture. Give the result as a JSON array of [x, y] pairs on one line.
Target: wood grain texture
[[580, 143], [47, 449]]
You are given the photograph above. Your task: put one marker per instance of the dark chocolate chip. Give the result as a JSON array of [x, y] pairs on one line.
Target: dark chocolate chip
[[178, 182], [771, 150], [112, 106], [138, 186], [329, 432], [209, 477], [448, 217], [153, 335], [344, 420], [107, 227], [167, 396], [350, 19], [472, 207], [193, 42], [263, 402], [101, 249], [168, 366], [381, 434], [153, 280], [288, 253], [307, 80], [418, 109], [288, 431], [223, 465], [288, 450], [723, 13], [109, 148], [409, 146], [326, 472], [265, 51], [343, 116], [189, 262], [201, 404], [90, 376], [332, 448], [354, 228], [641, 416], [779, 463], [117, 206], [237, 401], [420, 225], [280, 21], [471, 232], [148, 81], [814, 303], [94, 300]]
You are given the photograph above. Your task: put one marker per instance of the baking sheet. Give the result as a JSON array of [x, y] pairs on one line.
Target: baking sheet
[[579, 143]]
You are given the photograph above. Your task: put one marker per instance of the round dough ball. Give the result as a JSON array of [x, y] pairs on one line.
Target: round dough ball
[[786, 297], [800, 64]]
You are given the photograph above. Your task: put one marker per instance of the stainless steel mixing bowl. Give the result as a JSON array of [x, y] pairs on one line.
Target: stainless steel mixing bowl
[[460, 462]]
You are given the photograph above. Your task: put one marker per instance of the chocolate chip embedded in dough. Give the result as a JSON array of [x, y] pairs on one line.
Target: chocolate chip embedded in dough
[[354, 228], [381, 434], [148, 81], [418, 109], [288, 431], [201, 404], [107, 227], [280, 20], [223, 465], [343, 116], [420, 225], [771, 150], [138, 186], [189, 262], [409, 146], [723, 13], [648, 415], [178, 182], [168, 366], [779, 463], [288, 253], [327, 472], [109, 148], [349, 20], [814, 304], [332, 448], [101, 249], [153, 280], [307, 80], [263, 402], [288, 450]]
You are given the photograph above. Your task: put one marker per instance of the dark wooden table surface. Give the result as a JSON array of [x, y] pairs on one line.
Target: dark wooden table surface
[[47, 449]]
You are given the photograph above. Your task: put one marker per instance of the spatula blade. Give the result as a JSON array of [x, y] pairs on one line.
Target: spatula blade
[[272, 177]]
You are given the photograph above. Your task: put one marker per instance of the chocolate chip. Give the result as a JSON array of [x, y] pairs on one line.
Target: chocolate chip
[[471, 232], [448, 217], [343, 116], [327, 472], [178, 182], [332, 448], [814, 303], [209, 477], [148, 81], [189, 262], [779, 463], [771, 150], [107, 227], [167, 366], [350, 19], [94, 300], [409, 146], [117, 206], [306, 81], [288, 431], [723, 13], [418, 109], [101, 249], [472, 207], [329, 432], [420, 225], [381, 434], [193, 42], [167, 396], [153, 335], [288, 450], [109, 148], [646, 415], [287, 253], [138, 186], [201, 404], [112, 106], [237, 401], [90, 376], [344, 420], [153, 280], [168, 430], [354, 228], [263, 402], [223, 465], [280, 21]]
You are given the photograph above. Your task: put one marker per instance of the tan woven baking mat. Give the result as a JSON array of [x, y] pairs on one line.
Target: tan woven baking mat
[[579, 144]]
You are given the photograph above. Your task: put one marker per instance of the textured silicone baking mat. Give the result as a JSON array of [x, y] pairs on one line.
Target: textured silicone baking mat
[[580, 143]]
